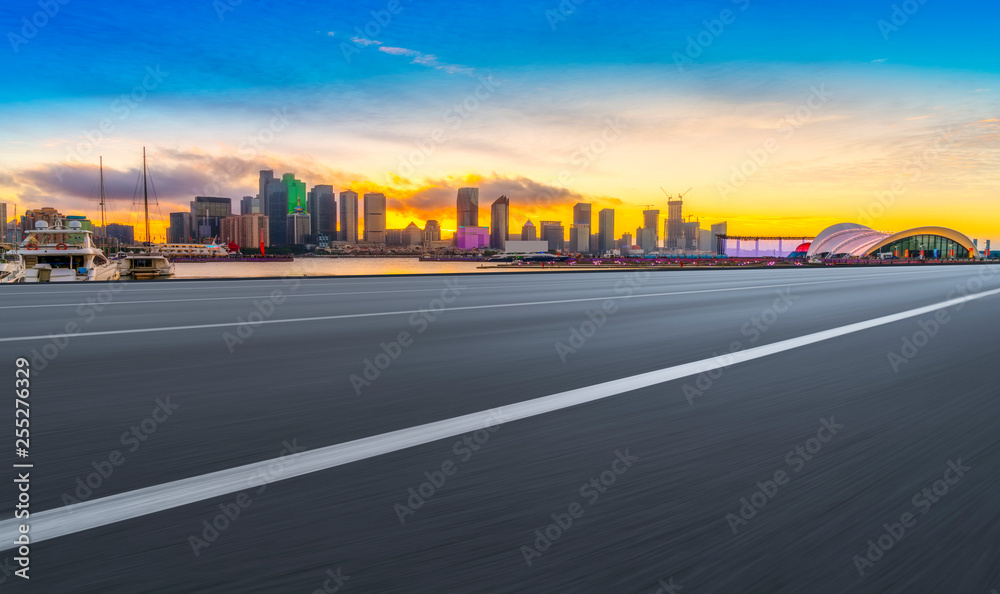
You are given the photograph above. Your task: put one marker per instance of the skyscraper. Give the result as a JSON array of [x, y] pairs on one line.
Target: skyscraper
[[180, 230], [323, 210], [529, 232], [296, 192], [375, 218], [246, 231], [675, 224], [207, 213], [651, 221], [412, 235], [3, 221], [250, 205], [553, 232], [581, 214], [274, 204], [500, 223], [579, 239], [468, 207], [432, 231], [719, 245], [606, 230], [349, 216]]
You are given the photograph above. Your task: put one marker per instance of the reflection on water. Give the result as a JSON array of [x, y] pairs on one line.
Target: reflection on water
[[323, 267]]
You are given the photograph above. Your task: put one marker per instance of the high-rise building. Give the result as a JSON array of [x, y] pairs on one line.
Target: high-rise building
[[468, 207], [581, 214], [528, 232], [719, 245], [296, 193], [3, 222], [246, 231], [626, 243], [675, 224], [553, 232], [472, 238], [348, 216], [500, 223], [691, 232], [646, 238], [273, 196], [277, 212], [323, 210], [375, 218], [651, 220], [298, 227], [605, 230], [250, 205], [579, 239], [394, 237], [125, 234], [47, 214], [432, 231], [207, 213], [180, 229], [412, 235]]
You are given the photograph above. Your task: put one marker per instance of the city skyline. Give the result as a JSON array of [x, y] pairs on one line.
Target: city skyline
[[863, 123]]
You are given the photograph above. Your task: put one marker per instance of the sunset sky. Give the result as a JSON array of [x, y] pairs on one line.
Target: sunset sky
[[872, 112]]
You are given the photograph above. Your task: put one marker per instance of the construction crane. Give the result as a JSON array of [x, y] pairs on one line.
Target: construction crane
[[679, 196]]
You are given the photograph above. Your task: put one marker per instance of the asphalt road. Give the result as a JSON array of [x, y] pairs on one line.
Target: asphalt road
[[834, 439]]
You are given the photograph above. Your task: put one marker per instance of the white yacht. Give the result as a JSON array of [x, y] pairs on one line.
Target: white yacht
[[148, 263], [62, 254], [11, 269]]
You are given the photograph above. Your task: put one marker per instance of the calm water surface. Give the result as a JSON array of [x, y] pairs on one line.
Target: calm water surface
[[324, 267]]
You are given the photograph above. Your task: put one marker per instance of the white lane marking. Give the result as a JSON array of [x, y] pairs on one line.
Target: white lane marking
[[82, 516], [402, 312]]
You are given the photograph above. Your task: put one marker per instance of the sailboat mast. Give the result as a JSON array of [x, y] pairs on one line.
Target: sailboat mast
[[103, 224], [145, 195]]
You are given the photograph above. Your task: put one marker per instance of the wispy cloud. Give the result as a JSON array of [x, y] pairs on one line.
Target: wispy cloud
[[363, 41], [879, 61], [429, 60]]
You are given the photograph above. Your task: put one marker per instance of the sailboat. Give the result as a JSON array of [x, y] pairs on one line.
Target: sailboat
[[149, 263]]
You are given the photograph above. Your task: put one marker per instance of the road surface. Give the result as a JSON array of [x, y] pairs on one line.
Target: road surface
[[806, 430]]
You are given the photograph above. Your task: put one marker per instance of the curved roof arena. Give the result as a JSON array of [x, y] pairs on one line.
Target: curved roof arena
[[851, 240]]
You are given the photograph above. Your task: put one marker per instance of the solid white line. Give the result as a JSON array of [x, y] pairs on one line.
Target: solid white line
[[402, 312], [133, 504]]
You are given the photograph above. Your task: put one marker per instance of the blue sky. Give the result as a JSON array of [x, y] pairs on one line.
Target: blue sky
[[561, 75]]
